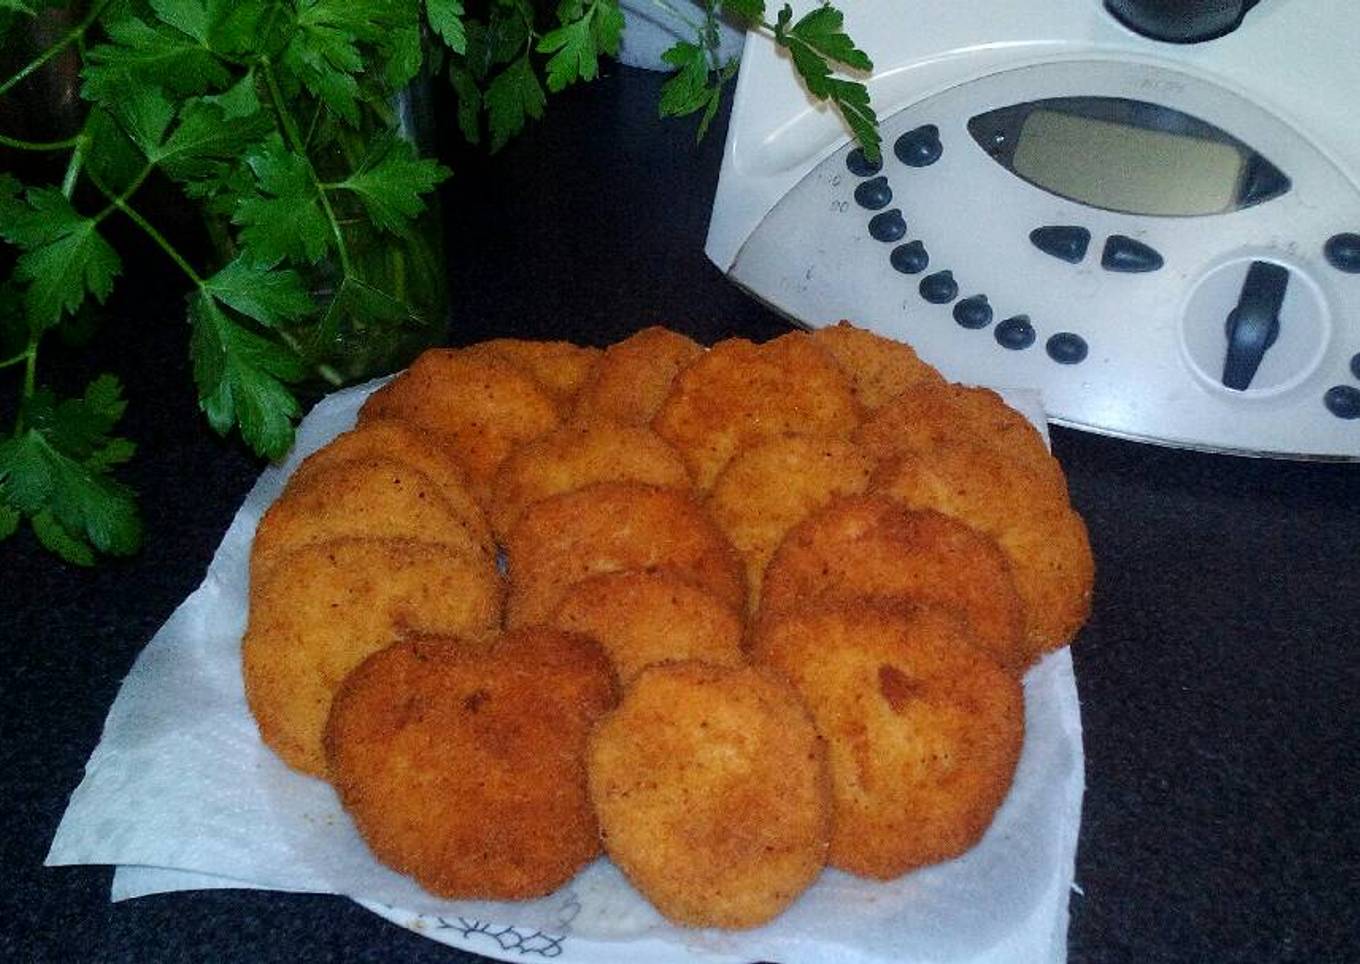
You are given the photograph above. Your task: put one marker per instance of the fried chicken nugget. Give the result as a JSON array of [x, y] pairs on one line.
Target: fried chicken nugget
[[774, 484], [318, 614], [641, 618], [402, 442], [931, 412], [880, 368], [559, 366], [740, 392], [872, 548], [484, 406], [576, 455], [924, 729], [466, 769], [614, 527], [634, 376], [711, 786], [1024, 510], [374, 497]]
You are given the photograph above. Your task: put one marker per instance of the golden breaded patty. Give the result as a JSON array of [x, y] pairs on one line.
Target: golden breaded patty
[[923, 728], [402, 442], [931, 412], [1024, 510], [614, 527], [466, 769], [711, 787], [634, 376], [774, 484], [739, 393], [868, 547], [559, 366], [484, 406], [641, 618], [373, 497], [325, 607], [576, 455], [880, 368]]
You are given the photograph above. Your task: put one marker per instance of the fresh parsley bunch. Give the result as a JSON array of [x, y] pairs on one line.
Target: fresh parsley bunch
[[282, 121]]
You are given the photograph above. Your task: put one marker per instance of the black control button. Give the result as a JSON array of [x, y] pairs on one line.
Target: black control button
[[939, 288], [1065, 348], [973, 312], [861, 166], [887, 226], [873, 194], [920, 147], [1127, 255], [1343, 401], [1066, 242], [910, 258], [1015, 333], [1355, 364], [1342, 252]]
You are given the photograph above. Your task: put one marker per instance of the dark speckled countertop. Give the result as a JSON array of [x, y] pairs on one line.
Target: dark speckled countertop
[[1219, 675]]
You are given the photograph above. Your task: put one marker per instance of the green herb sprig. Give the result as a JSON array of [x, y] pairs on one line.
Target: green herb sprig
[[278, 120]]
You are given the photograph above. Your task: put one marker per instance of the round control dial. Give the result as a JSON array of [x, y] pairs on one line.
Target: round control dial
[[1255, 327]]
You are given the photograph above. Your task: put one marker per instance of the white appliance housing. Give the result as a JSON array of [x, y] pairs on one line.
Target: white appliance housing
[[1120, 311]]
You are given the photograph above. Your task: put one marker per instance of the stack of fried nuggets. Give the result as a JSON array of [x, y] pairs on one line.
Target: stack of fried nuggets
[[767, 609]]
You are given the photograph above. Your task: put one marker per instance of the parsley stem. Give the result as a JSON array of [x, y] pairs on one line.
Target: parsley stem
[[14, 360], [68, 181], [295, 142], [150, 230], [22, 145], [71, 36], [30, 357]]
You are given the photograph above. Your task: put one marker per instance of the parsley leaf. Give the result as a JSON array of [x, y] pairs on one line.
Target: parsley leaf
[[512, 97], [142, 55], [750, 12], [241, 378], [285, 219], [270, 296], [576, 46], [64, 256], [469, 102], [446, 19], [691, 90], [390, 183], [819, 37], [55, 472]]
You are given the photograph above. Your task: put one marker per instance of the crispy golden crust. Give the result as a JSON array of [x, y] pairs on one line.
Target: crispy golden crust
[[641, 618], [869, 547], [376, 498], [774, 484], [483, 406], [401, 442], [326, 607], [465, 769], [635, 375], [924, 729], [614, 527], [559, 366], [880, 369], [931, 412], [739, 392], [576, 455], [711, 788], [1024, 510]]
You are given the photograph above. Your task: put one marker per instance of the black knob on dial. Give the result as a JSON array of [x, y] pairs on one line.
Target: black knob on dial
[[1180, 21], [1254, 324]]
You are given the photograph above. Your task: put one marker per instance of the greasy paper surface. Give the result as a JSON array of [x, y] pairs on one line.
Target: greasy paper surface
[[182, 792]]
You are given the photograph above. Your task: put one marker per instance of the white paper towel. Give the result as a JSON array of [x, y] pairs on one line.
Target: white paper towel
[[182, 795]]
